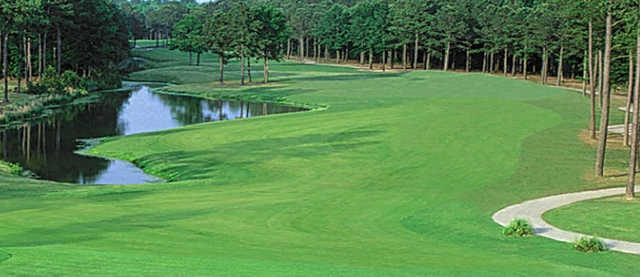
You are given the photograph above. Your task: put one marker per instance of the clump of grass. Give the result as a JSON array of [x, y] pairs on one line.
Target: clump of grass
[[10, 168], [590, 245], [518, 228]]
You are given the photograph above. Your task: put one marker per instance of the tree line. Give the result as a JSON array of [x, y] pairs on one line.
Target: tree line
[[595, 41], [88, 37], [230, 29]]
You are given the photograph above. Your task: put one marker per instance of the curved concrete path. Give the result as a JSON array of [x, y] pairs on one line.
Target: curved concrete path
[[533, 210]]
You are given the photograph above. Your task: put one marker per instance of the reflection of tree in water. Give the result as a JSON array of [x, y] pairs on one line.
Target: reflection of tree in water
[[185, 110], [191, 110], [47, 146]]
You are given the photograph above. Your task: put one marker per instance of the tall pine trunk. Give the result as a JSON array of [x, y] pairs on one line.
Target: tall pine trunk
[[384, 61], [633, 157], [346, 54], [40, 68], [20, 53], [404, 57], [221, 61], [416, 51], [453, 61], [560, 66], [592, 84], [315, 50], [393, 58], [525, 70], [242, 69], [198, 59], [506, 61], [249, 69], [370, 58], [306, 48], [492, 65], [604, 119], [601, 76], [446, 56], [627, 111], [429, 60], [44, 52], [424, 59], [301, 48], [59, 49], [543, 72], [484, 62], [5, 67], [584, 74], [513, 65], [266, 69], [467, 63], [318, 51], [29, 61], [326, 53]]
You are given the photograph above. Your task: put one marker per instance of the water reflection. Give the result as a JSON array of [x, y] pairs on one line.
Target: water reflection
[[47, 147]]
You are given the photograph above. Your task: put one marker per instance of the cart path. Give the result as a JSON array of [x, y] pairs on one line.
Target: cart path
[[533, 210]]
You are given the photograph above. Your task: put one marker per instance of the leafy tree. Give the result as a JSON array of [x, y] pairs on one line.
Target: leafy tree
[[219, 37], [449, 26], [272, 33], [369, 26], [188, 34], [334, 30]]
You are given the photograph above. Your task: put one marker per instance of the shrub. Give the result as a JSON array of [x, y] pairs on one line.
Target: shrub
[[67, 83], [71, 80], [36, 88], [589, 245], [15, 169], [103, 80], [518, 228]]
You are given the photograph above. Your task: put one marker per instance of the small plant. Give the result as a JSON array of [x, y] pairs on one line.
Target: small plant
[[518, 228], [589, 245]]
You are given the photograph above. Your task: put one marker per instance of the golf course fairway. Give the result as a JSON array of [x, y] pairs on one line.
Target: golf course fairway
[[397, 174]]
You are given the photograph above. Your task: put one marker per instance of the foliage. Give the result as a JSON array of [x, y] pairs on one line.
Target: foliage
[[589, 245], [518, 228], [67, 83]]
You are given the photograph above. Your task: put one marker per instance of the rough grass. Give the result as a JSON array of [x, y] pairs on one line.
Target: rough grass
[[608, 217], [398, 177]]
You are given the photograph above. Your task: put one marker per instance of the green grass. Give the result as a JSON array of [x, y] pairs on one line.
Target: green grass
[[398, 177], [145, 43], [608, 217]]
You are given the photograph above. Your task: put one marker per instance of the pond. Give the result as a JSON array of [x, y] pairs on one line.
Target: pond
[[48, 147]]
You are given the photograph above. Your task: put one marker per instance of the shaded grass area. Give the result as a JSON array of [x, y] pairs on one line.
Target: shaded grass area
[[398, 177], [608, 217], [145, 43]]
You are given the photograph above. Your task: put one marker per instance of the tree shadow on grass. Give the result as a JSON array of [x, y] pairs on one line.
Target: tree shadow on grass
[[342, 77], [238, 158], [268, 93], [92, 230]]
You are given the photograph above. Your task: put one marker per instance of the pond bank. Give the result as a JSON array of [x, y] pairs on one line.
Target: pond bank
[[58, 148]]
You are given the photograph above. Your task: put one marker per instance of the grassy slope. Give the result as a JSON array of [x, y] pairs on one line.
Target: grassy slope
[[399, 177], [607, 217]]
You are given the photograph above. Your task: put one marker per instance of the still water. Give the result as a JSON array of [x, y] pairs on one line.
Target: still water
[[47, 147]]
